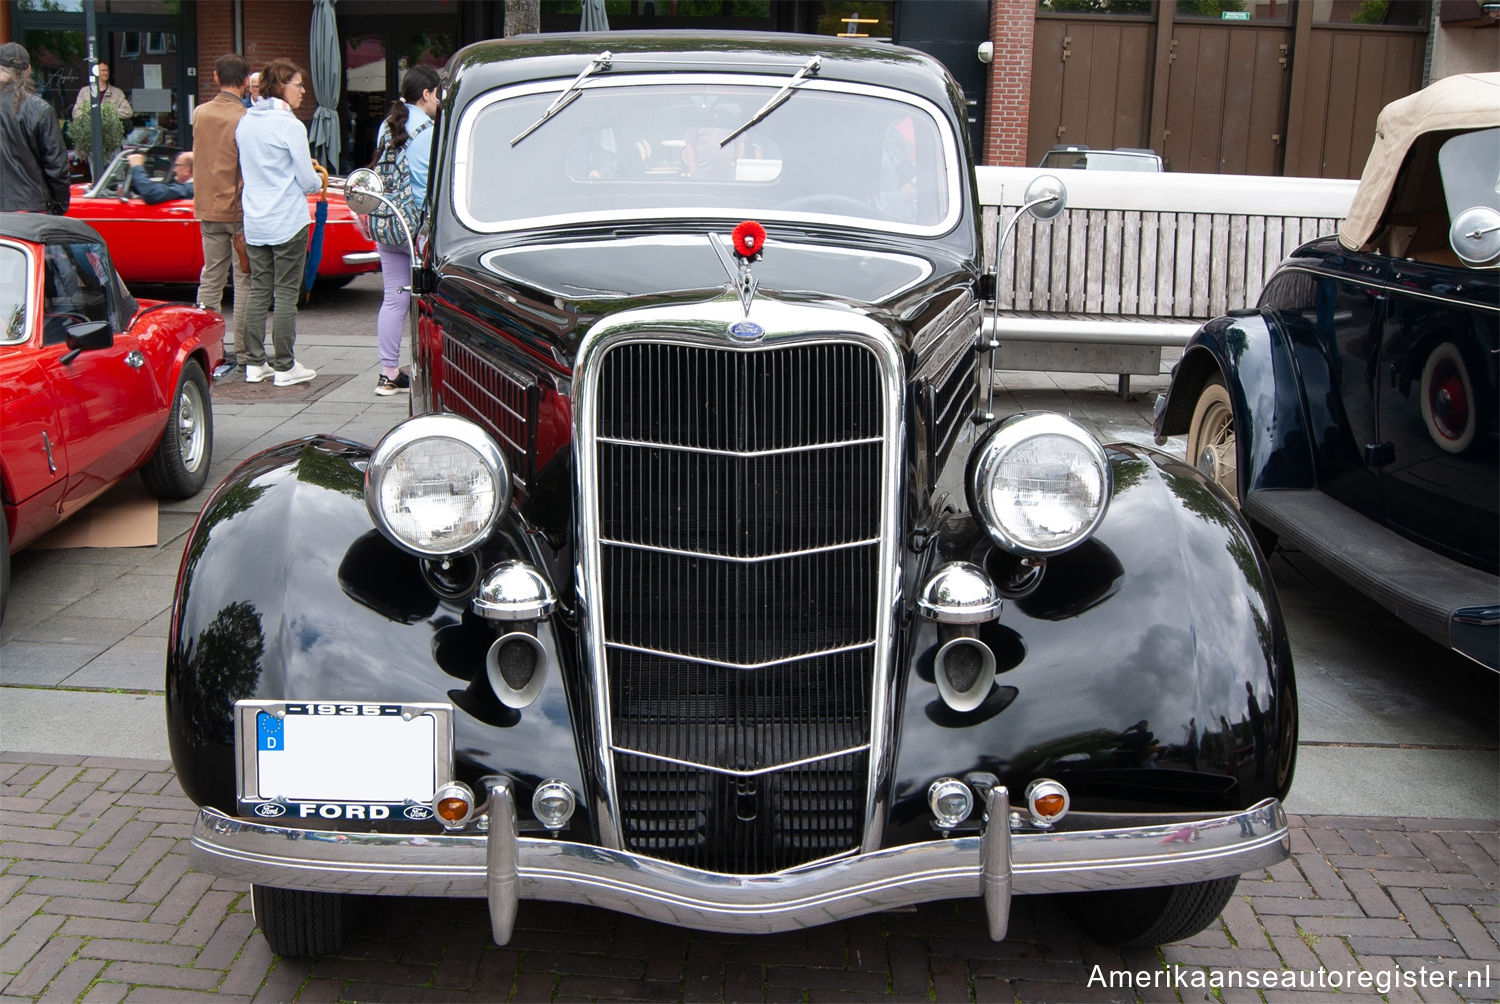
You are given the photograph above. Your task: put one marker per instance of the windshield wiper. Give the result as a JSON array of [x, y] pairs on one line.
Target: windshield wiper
[[569, 94], [808, 69]]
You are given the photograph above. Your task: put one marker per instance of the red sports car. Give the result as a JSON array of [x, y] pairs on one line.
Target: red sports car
[[161, 243], [94, 384]]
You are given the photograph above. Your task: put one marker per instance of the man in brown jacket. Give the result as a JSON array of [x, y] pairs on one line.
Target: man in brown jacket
[[216, 195]]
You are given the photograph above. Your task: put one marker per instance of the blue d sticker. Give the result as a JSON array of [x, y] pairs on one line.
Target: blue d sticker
[[747, 331], [268, 728]]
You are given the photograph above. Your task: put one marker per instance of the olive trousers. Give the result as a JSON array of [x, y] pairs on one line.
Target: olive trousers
[[275, 271]]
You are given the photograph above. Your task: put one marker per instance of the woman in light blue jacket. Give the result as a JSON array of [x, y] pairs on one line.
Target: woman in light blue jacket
[[408, 127], [279, 175]]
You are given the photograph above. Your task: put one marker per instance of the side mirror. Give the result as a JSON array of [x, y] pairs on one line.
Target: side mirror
[[1475, 236], [362, 190], [87, 335], [1046, 197]]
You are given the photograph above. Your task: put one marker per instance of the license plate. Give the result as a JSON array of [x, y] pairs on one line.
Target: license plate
[[342, 761]]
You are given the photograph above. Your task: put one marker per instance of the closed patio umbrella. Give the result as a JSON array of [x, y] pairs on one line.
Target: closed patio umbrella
[[325, 66], [594, 17]]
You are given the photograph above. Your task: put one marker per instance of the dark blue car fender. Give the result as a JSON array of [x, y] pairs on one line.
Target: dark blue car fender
[[1265, 372]]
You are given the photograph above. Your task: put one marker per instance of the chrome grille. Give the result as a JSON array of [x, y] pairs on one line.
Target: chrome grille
[[477, 388], [739, 539]]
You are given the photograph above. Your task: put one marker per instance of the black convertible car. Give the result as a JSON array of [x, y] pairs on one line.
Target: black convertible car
[[1355, 411], [702, 585]]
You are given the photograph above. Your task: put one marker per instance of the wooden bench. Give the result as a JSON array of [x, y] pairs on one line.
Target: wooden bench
[[1138, 261]]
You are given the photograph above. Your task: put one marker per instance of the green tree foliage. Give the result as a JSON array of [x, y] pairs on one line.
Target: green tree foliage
[[81, 131]]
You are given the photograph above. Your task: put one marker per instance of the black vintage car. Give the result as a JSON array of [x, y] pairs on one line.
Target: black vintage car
[[1355, 412], [702, 585]]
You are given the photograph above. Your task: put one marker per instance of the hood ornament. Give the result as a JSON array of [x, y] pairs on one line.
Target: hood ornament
[[747, 241]]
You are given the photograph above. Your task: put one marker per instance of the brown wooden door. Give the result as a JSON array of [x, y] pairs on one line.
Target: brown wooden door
[[1090, 84], [1350, 75], [1226, 98]]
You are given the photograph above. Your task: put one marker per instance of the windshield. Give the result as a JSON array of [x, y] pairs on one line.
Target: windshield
[[656, 147], [13, 285], [1470, 165], [1100, 160]]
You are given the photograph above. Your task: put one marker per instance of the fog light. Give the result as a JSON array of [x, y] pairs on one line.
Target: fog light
[[951, 801], [453, 804], [1047, 801], [553, 804]]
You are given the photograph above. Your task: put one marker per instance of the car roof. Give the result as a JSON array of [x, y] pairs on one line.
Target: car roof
[[41, 228], [1462, 101], [498, 62]]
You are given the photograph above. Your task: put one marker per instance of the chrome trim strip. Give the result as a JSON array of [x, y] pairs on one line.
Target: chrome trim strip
[[728, 772], [1170, 850], [706, 324], [1389, 287], [362, 258], [464, 165], [733, 559], [738, 665], [616, 441]]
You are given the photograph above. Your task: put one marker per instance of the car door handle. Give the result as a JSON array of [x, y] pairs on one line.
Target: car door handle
[[180, 210], [134, 359]]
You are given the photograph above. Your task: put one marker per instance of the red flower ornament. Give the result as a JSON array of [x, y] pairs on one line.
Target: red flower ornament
[[748, 239]]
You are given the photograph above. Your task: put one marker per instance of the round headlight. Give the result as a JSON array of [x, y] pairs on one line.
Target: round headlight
[[1039, 483], [437, 484]]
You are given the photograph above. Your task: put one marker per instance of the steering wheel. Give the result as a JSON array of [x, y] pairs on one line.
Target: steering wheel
[[828, 203]]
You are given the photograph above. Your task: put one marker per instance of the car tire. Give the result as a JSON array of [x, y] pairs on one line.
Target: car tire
[[1213, 448], [179, 467], [296, 922], [1140, 918]]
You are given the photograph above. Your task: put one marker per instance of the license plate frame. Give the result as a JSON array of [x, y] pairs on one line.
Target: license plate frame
[[341, 761]]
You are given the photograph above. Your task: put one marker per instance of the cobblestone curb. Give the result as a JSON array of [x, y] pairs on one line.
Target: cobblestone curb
[[97, 904]]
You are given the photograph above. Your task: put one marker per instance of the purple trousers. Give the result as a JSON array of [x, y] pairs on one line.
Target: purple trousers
[[390, 325]]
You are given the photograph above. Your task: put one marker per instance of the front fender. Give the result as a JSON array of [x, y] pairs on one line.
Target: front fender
[[1148, 671], [288, 592], [1251, 353]]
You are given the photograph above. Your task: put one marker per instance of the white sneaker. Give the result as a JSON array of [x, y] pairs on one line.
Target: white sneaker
[[297, 374], [255, 374]]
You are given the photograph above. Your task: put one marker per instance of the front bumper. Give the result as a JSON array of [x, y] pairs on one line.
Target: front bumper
[[355, 259], [504, 868]]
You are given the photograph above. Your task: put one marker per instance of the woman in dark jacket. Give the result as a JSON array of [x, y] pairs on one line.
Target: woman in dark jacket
[[33, 160]]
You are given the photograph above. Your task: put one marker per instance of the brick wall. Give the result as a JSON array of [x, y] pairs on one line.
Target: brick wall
[[272, 28], [1012, 25]]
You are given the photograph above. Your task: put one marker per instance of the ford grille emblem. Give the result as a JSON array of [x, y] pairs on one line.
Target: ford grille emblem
[[417, 812], [746, 331], [270, 809]]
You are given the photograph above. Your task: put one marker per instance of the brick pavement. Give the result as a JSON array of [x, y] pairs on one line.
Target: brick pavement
[[97, 904]]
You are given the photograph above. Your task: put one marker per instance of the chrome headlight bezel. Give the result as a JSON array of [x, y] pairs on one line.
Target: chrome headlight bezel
[[998, 444], [429, 429]]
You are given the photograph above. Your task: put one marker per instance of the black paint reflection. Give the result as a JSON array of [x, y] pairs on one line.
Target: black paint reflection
[[386, 579]]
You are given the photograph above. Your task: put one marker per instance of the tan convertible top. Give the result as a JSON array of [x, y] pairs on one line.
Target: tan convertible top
[[1462, 101]]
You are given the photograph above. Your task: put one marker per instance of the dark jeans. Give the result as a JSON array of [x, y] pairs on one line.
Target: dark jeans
[[275, 269]]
